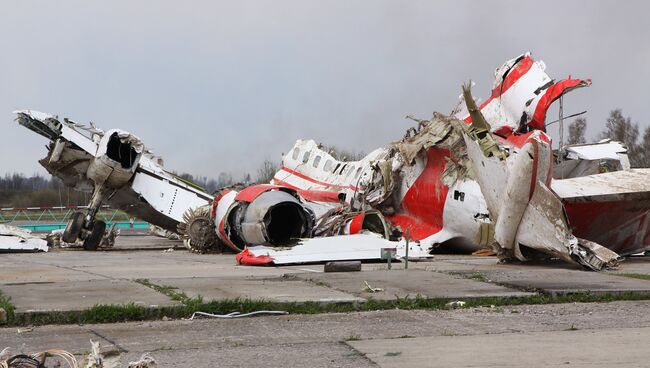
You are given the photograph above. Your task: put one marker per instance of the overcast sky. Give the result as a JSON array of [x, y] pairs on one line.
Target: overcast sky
[[220, 86]]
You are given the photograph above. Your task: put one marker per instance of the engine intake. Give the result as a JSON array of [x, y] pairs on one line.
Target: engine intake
[[275, 217]]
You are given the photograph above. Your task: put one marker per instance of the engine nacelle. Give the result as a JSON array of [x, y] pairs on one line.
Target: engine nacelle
[[262, 214], [117, 158]]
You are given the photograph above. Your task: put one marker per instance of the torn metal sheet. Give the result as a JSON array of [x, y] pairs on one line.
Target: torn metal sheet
[[530, 218], [589, 159], [422, 184], [338, 248], [15, 239], [521, 94]]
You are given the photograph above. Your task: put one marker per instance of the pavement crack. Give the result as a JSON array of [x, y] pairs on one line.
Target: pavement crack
[[358, 353], [118, 346], [72, 269]]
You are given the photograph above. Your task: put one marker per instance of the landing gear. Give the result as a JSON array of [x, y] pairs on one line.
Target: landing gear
[[95, 237], [83, 226], [73, 228]]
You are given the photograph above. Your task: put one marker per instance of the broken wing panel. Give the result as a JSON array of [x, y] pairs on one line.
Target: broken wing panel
[[50, 127], [528, 213], [15, 239], [612, 209], [336, 248], [166, 195]]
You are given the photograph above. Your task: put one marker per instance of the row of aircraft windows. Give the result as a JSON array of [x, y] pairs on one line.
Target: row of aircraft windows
[[328, 164]]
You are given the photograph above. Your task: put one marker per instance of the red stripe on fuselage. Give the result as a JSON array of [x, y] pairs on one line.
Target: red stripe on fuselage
[[321, 183], [551, 94], [516, 72], [423, 205]]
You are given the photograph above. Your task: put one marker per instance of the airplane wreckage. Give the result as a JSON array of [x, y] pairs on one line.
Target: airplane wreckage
[[485, 176]]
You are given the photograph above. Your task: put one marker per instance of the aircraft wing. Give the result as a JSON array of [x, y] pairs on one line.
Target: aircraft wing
[[609, 208], [51, 128]]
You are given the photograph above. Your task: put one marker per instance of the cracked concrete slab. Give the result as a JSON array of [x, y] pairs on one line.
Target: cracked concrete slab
[[321, 339], [564, 281], [409, 283], [585, 348], [80, 295], [273, 289]]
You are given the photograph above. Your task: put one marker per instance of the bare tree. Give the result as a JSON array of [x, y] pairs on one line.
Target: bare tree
[[577, 131], [224, 180], [644, 149], [266, 172], [621, 128]]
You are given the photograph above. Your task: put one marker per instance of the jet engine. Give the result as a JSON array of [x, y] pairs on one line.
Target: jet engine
[[262, 214]]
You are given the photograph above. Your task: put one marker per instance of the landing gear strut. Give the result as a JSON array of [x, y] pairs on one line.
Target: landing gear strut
[[84, 226]]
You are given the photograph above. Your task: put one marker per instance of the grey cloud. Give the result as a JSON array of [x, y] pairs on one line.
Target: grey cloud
[[219, 86]]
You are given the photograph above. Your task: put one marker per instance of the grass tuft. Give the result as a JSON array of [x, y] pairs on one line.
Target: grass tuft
[[134, 312], [477, 276], [5, 303]]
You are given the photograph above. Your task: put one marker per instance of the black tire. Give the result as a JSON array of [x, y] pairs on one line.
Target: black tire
[[95, 237], [73, 228]]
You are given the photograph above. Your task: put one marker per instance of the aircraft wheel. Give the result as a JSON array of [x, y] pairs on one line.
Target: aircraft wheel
[[95, 237], [73, 228]]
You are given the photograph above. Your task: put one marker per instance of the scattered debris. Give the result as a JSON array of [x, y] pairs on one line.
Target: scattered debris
[[484, 252], [55, 239], [455, 304], [95, 358], [64, 359], [589, 159], [349, 266], [237, 314], [16, 239], [359, 246], [48, 358], [371, 289], [145, 361], [168, 250], [4, 355], [163, 233]]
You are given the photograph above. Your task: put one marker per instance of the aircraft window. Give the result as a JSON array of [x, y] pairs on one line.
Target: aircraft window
[[343, 169], [296, 153], [305, 157], [356, 176], [350, 171], [316, 161], [337, 167], [328, 166]]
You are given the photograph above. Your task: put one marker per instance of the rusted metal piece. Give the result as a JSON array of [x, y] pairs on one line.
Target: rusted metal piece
[[347, 266]]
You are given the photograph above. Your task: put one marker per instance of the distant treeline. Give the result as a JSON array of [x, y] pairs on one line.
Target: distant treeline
[[18, 190]]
